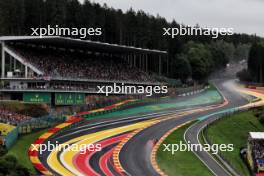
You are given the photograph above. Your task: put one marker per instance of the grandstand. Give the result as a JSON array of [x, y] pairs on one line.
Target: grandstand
[[255, 151], [63, 71]]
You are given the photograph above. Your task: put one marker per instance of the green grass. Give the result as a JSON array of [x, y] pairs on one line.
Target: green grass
[[20, 149], [181, 163], [234, 130]]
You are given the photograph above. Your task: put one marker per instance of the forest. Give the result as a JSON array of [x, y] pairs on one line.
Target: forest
[[189, 56]]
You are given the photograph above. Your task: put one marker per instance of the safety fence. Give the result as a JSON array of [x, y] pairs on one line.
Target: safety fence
[[221, 156], [8, 134], [35, 124], [11, 138]]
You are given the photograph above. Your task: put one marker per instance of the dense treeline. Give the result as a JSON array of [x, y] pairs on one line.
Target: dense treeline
[[198, 60], [9, 164], [199, 54], [256, 62], [255, 71]]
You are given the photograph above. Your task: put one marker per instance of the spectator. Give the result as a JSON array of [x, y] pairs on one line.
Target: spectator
[[12, 117], [68, 64]]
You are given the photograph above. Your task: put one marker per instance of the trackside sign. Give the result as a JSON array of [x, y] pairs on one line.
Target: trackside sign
[[37, 97]]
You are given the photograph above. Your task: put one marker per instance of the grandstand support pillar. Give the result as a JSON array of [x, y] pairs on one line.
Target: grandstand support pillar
[[143, 62], [14, 64], [130, 60], [10, 63], [3, 61], [26, 71], [146, 63], [140, 57], [167, 65], [135, 60], [159, 64]]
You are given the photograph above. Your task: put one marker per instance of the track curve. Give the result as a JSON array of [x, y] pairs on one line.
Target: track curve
[[99, 130], [140, 163]]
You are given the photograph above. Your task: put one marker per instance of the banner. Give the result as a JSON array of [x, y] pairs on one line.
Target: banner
[[69, 98], [37, 97], [79, 98]]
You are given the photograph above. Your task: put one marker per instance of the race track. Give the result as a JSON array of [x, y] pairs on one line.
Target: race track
[[133, 156], [140, 163]]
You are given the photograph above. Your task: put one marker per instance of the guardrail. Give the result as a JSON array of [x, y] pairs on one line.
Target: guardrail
[[40, 123], [11, 138], [207, 139]]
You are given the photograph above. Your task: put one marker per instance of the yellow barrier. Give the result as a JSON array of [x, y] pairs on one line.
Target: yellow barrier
[[5, 128]]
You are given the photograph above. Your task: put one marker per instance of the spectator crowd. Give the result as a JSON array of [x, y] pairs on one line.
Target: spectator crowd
[[12, 118], [68, 86], [76, 64], [258, 149]]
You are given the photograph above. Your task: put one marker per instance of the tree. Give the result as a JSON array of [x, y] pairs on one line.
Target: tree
[[136, 28], [244, 75], [242, 52], [12, 19], [10, 166], [181, 68], [219, 55], [56, 12], [256, 62], [200, 59]]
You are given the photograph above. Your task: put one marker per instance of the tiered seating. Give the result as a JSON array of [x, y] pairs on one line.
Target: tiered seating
[[76, 64]]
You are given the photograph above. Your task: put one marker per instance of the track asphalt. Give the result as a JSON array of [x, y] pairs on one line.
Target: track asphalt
[[134, 156]]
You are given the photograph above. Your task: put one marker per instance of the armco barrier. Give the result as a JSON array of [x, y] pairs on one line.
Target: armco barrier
[[11, 138], [40, 123], [193, 92]]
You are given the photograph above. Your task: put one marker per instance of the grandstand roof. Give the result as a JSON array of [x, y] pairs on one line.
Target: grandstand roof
[[67, 42], [256, 135]]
